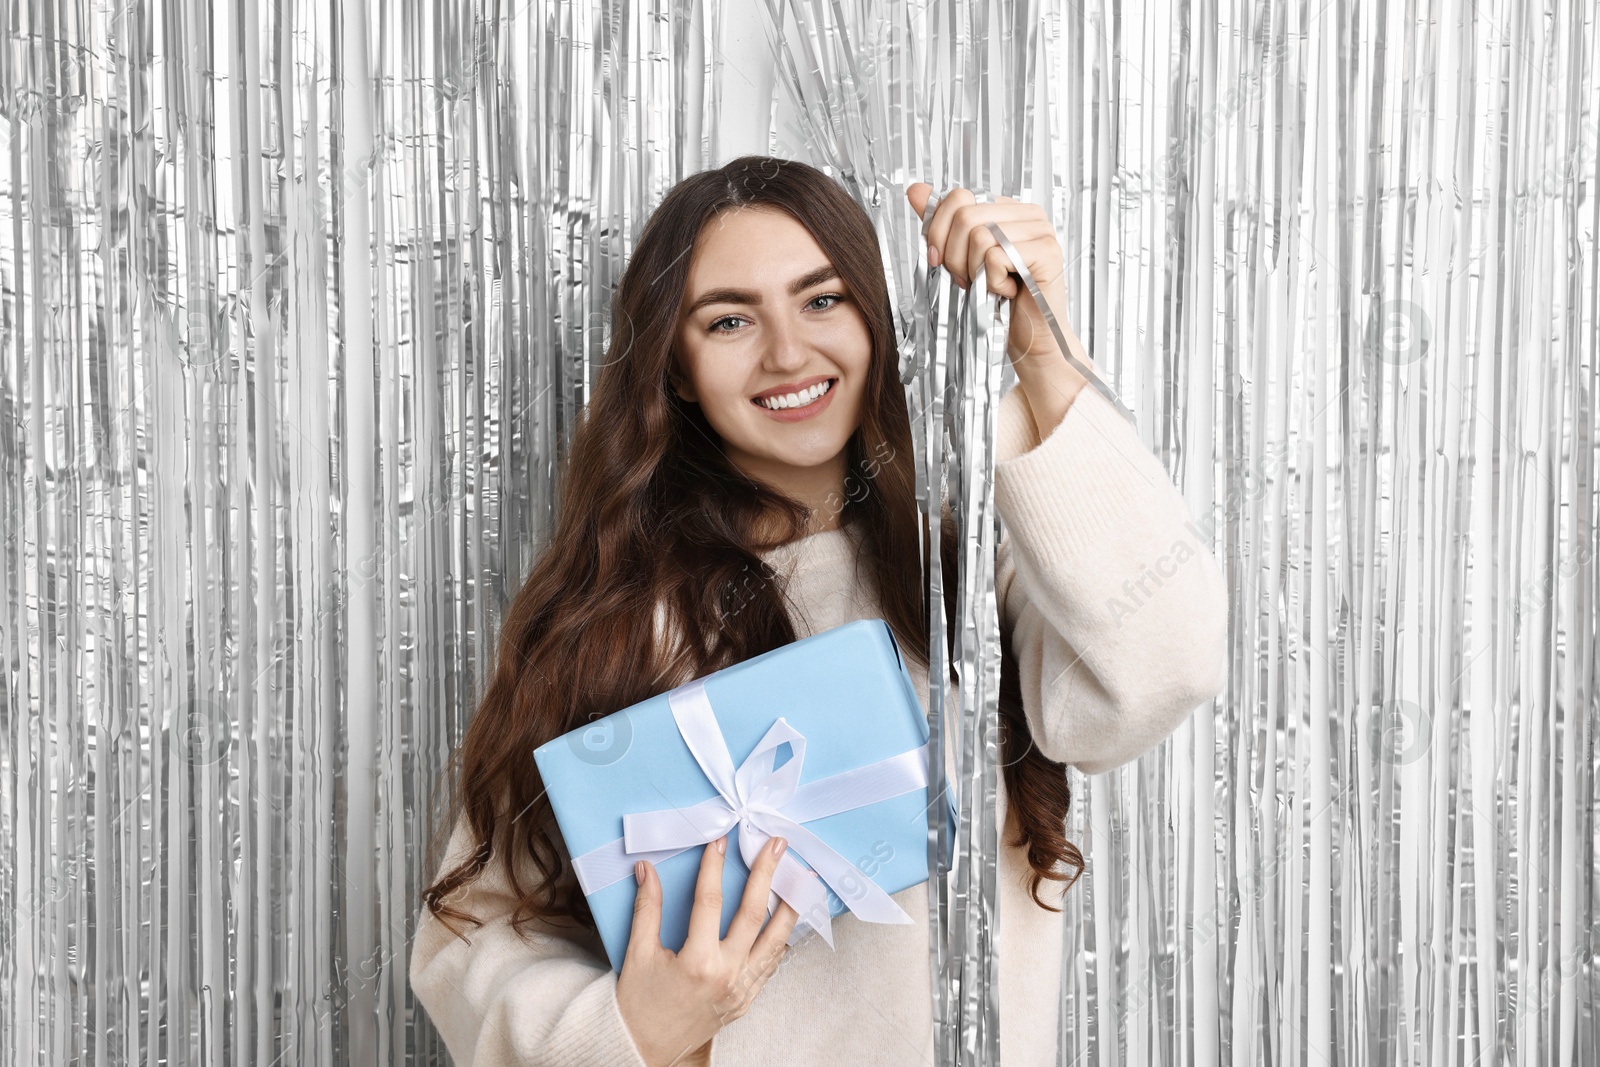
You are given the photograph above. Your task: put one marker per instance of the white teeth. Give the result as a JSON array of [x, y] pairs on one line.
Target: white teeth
[[795, 400]]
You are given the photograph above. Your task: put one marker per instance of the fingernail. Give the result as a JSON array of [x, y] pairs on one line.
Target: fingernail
[[722, 845], [638, 871], [777, 844], [933, 255]]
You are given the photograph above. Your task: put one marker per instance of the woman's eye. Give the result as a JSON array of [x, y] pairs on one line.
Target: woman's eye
[[716, 325]]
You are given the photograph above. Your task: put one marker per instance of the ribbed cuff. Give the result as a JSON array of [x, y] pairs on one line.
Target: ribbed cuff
[[1015, 430], [593, 1032], [1091, 478]]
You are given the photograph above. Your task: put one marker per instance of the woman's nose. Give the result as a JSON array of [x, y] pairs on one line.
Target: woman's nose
[[784, 344]]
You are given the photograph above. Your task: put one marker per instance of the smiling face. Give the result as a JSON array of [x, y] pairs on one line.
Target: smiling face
[[763, 311]]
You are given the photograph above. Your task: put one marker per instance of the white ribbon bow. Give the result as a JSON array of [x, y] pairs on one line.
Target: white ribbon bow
[[764, 802]]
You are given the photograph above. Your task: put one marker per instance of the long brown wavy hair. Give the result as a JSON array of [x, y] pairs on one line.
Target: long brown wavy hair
[[653, 516]]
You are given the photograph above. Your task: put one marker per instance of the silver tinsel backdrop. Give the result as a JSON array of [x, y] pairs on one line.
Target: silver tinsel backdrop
[[300, 301]]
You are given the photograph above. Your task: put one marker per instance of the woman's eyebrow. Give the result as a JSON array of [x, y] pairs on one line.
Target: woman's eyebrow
[[749, 296]]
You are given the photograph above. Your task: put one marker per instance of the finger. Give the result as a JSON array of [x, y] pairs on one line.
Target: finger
[[761, 970], [646, 933], [1043, 256], [747, 984], [705, 914], [979, 242], [946, 231], [1040, 254], [970, 241], [778, 929], [753, 908], [939, 225], [918, 193], [997, 267], [969, 234], [1019, 230]]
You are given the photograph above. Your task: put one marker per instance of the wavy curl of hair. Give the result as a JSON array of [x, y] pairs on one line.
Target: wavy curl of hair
[[652, 515]]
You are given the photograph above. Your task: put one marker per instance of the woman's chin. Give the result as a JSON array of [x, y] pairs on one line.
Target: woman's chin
[[789, 457]]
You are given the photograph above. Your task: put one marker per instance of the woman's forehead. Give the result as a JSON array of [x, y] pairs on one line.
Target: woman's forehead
[[751, 246]]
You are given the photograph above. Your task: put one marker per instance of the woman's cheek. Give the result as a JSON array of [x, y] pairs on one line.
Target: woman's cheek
[[848, 343]]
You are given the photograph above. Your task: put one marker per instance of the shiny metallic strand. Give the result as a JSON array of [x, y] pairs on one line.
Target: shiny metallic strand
[[839, 69], [972, 422], [1385, 837], [945, 852], [300, 301]]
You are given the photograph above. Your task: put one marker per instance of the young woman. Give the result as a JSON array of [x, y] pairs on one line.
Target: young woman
[[702, 523]]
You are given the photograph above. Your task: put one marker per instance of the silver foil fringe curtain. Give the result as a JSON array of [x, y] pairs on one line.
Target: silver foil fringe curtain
[[300, 301]]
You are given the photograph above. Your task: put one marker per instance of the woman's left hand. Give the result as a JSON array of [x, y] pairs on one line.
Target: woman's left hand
[[958, 237]]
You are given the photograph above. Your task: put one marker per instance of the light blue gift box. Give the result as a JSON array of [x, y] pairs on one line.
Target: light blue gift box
[[844, 697]]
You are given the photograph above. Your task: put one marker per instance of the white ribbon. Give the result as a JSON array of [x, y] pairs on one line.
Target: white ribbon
[[764, 802]]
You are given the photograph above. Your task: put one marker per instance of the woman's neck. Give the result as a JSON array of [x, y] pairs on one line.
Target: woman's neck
[[818, 522]]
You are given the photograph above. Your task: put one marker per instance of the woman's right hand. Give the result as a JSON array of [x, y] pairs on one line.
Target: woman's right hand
[[675, 1002]]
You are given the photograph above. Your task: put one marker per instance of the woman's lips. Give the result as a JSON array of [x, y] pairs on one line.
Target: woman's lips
[[816, 407]]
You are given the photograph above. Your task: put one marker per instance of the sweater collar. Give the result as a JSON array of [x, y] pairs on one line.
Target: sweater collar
[[837, 544]]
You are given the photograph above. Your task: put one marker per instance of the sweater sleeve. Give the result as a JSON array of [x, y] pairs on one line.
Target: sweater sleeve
[[504, 999], [1117, 611]]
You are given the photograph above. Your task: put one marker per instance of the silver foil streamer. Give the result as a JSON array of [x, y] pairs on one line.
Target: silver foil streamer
[[847, 73], [971, 979], [299, 301]]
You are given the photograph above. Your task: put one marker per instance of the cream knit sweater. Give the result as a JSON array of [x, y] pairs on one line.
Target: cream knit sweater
[[1118, 614]]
